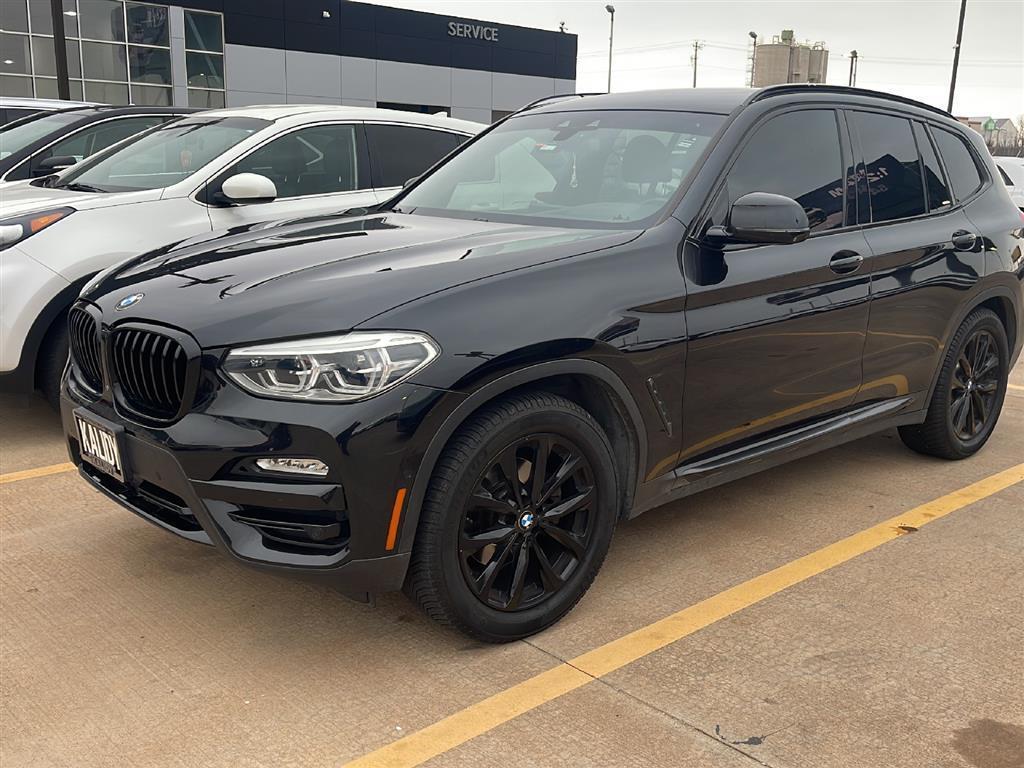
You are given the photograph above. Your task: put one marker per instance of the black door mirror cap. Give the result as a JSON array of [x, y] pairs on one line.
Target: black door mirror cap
[[764, 217]]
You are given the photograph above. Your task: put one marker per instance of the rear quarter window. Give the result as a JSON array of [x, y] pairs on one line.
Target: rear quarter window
[[400, 152], [964, 176], [893, 166]]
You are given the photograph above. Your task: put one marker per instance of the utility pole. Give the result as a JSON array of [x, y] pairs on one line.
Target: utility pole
[[956, 54], [60, 49], [853, 68], [611, 40], [697, 45]]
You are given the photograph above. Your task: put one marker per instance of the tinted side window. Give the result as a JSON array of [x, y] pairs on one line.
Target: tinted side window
[[96, 137], [311, 161], [14, 113], [893, 166], [797, 155], [399, 152], [937, 188], [963, 173]]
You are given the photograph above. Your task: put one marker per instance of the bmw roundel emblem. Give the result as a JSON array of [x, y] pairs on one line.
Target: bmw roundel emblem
[[129, 301]]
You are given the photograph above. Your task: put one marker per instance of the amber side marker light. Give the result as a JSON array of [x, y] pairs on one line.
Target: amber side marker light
[[39, 222], [396, 515]]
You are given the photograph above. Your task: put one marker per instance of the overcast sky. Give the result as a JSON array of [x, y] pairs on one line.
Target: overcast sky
[[905, 46]]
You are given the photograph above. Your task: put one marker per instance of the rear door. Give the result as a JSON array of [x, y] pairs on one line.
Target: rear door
[[776, 332], [399, 153], [923, 252], [317, 169]]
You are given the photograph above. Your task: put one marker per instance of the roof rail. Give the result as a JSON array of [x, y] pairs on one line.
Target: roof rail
[[777, 90], [555, 96]]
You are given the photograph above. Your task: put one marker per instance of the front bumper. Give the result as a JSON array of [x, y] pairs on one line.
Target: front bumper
[[197, 479]]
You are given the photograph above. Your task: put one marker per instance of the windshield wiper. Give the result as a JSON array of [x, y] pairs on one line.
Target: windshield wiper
[[76, 187]]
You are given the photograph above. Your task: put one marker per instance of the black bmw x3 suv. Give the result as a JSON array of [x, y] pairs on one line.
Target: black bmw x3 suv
[[598, 305]]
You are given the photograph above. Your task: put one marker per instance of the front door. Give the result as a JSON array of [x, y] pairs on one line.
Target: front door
[[776, 332], [319, 169]]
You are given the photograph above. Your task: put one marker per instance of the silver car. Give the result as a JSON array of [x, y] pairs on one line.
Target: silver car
[[210, 171]]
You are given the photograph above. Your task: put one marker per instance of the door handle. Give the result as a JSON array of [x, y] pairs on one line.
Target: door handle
[[964, 240], [844, 262]]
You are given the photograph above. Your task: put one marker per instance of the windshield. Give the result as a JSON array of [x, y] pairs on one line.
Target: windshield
[[163, 157], [610, 169], [15, 138]]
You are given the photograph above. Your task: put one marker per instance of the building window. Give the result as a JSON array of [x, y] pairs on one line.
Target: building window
[[118, 51], [204, 58]]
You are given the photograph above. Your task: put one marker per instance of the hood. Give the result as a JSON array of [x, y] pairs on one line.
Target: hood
[[323, 275], [23, 197]]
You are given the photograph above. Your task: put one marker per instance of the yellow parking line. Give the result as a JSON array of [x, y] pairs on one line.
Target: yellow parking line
[[488, 714], [25, 474], [1018, 387]]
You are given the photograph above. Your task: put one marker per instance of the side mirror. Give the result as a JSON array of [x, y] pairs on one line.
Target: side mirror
[[762, 217], [247, 188], [53, 165]]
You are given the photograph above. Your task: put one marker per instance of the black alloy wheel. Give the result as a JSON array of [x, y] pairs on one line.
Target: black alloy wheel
[[528, 523], [517, 518], [974, 386], [969, 392]]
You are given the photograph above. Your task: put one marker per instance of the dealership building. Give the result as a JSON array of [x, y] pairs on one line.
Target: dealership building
[[213, 53]]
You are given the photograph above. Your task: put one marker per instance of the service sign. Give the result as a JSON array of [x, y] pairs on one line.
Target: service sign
[[472, 31]]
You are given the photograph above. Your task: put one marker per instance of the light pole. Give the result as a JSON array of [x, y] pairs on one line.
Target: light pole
[[956, 54], [611, 39], [853, 68]]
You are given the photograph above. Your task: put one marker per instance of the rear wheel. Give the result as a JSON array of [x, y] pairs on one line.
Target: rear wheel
[[517, 519], [969, 395]]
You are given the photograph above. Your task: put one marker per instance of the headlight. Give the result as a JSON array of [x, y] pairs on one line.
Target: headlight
[[335, 368], [17, 228]]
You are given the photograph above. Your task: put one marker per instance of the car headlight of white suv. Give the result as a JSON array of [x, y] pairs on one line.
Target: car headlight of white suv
[[18, 228]]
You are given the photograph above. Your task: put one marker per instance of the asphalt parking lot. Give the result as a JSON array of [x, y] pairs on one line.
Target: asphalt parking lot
[[858, 608]]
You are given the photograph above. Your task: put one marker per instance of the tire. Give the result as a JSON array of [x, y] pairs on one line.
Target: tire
[[460, 582], [956, 428], [53, 356]]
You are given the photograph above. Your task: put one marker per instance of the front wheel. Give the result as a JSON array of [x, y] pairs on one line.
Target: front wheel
[[969, 395], [53, 356], [517, 519]]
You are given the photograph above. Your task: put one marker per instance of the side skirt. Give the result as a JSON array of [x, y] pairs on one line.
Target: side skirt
[[704, 473]]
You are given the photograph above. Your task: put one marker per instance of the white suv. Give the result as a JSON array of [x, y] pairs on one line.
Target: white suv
[[210, 171]]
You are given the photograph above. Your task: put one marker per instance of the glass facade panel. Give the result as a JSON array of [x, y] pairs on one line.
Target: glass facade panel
[[205, 70], [205, 99], [13, 17], [151, 66], [46, 88], [118, 52], [102, 19], [151, 95], [14, 55], [46, 63], [203, 32], [103, 61], [42, 22], [107, 93], [147, 24], [15, 86]]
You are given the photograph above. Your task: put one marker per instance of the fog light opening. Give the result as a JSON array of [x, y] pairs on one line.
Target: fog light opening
[[293, 466]]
